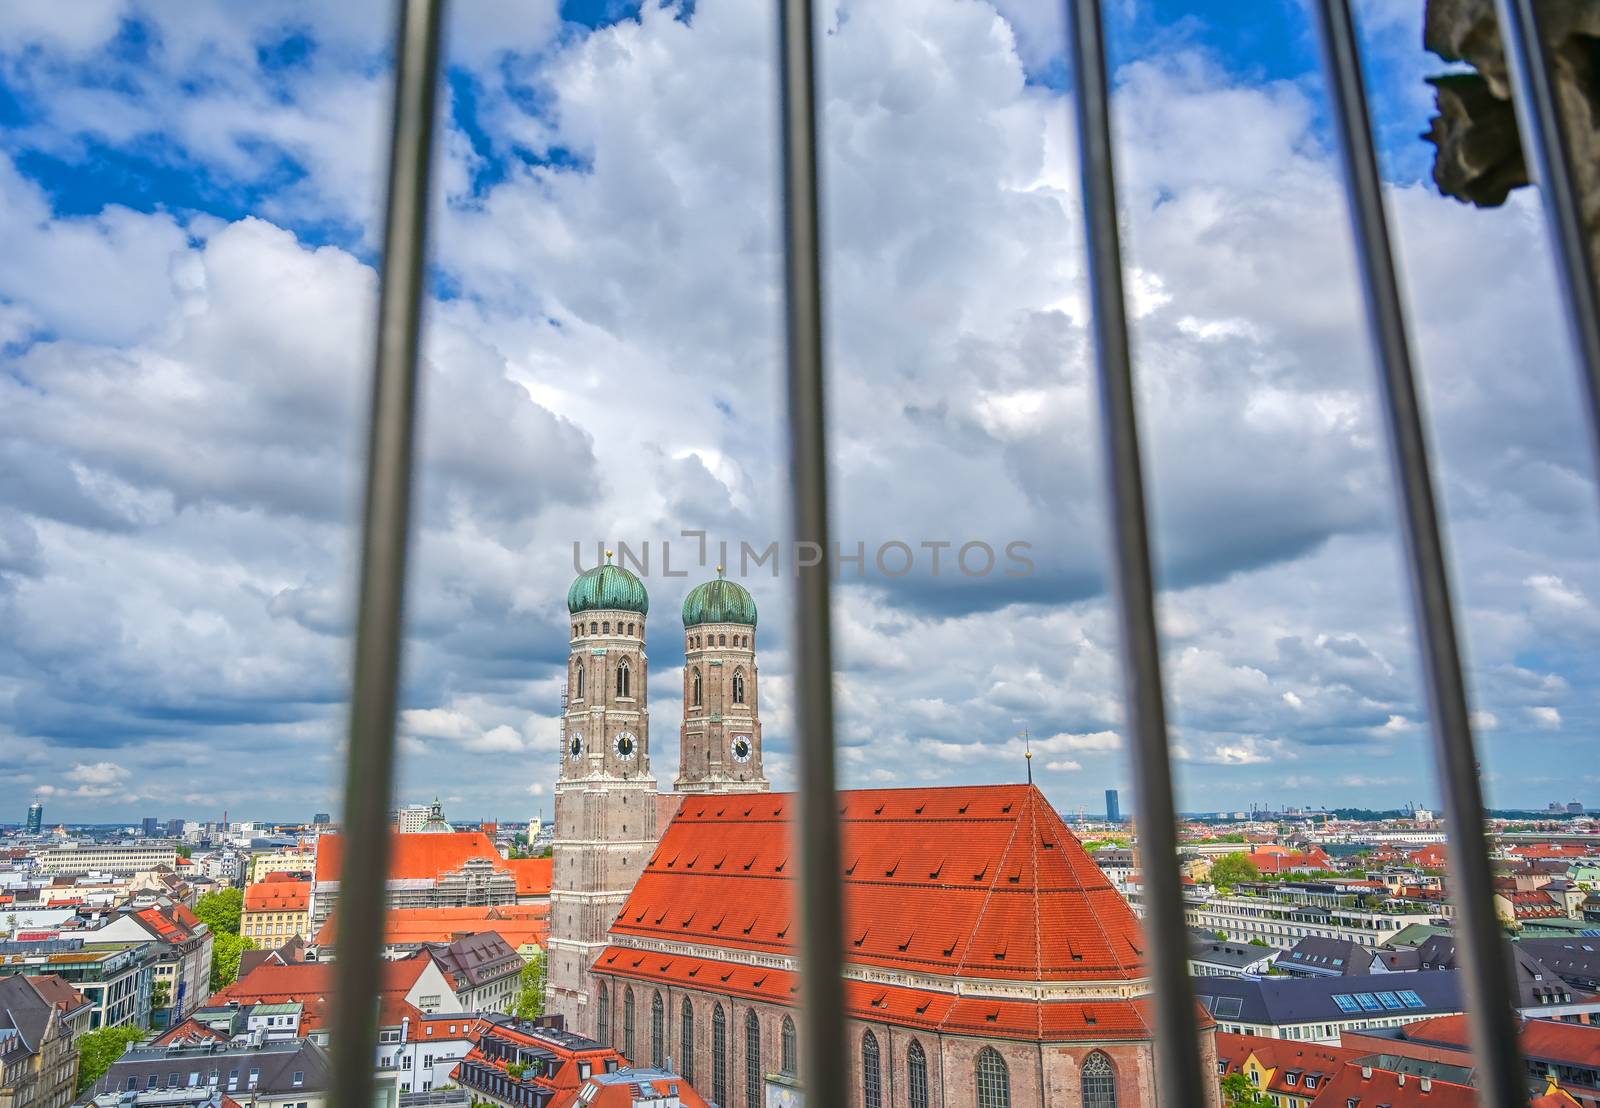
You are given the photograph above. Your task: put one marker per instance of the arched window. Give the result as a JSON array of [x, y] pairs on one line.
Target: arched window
[[1099, 1082], [738, 686], [719, 1055], [577, 683], [722, 640], [603, 1016], [871, 1072], [697, 689], [917, 1075], [787, 1061], [622, 679], [658, 1031], [605, 628], [686, 1049], [627, 1023], [630, 628], [752, 1059], [594, 628], [994, 1080]]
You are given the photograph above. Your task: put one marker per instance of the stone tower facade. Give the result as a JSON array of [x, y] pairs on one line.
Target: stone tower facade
[[720, 742], [605, 822]]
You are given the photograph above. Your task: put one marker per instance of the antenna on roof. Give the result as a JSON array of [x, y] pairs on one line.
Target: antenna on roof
[[1027, 752]]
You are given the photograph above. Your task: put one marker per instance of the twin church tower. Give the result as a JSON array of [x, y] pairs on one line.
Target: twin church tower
[[608, 805]]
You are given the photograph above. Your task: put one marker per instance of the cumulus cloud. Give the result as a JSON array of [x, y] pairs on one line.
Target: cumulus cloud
[[183, 390]]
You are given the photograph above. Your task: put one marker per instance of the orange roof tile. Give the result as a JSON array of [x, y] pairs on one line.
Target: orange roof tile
[[517, 924], [413, 856], [278, 896], [533, 875], [970, 881], [1355, 1084], [311, 984]]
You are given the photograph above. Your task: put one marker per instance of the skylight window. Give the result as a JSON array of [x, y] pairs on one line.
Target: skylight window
[[1367, 1001], [1410, 999], [1346, 1003], [1389, 1000]]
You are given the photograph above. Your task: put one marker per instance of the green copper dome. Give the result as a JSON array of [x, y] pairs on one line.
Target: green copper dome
[[719, 601], [608, 587]]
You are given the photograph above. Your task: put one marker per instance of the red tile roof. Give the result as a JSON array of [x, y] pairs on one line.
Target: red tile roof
[[1284, 1057], [1542, 1040], [516, 923], [278, 895], [311, 984], [533, 875], [972, 881], [414, 856], [901, 1005], [1369, 1086]]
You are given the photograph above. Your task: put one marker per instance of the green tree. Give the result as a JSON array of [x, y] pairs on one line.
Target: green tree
[[98, 1049], [160, 995], [1237, 1092], [185, 851], [529, 1004], [1230, 869], [221, 910], [226, 949]]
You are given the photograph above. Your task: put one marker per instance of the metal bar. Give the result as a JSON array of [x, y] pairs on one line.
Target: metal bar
[[369, 764], [1490, 1006], [822, 1045], [1178, 1071], [1549, 158]]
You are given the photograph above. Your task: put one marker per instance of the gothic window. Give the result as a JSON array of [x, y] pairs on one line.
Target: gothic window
[[917, 1075], [787, 1062], [630, 628], [722, 640], [627, 1023], [1099, 1082], [658, 1031], [719, 1055], [577, 683], [871, 1072], [686, 1063], [738, 686], [994, 1080], [697, 688], [752, 1060], [622, 679], [604, 1015]]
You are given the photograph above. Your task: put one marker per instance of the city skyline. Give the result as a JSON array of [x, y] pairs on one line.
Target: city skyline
[[185, 319]]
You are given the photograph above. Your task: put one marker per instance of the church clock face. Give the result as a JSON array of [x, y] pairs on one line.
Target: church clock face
[[575, 747], [742, 748], [626, 745]]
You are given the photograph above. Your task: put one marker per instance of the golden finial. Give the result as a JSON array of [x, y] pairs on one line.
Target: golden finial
[[608, 555], [719, 571]]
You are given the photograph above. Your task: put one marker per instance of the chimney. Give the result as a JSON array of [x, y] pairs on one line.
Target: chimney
[[1426, 1083], [1401, 1080], [1366, 1073]]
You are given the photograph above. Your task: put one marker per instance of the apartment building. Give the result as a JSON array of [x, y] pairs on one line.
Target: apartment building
[[128, 858]]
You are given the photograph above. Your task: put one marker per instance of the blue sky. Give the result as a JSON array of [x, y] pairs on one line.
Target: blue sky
[[192, 208]]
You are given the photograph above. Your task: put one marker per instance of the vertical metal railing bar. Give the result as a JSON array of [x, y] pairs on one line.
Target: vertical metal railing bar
[[1549, 158], [1178, 1068], [822, 1039], [1489, 996], [369, 763]]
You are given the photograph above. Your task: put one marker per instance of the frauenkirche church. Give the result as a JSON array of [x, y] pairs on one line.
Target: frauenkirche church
[[990, 962]]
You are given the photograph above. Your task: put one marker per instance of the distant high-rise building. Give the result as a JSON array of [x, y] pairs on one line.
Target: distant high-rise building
[[1113, 809], [174, 828], [35, 817], [321, 818], [1575, 808], [152, 827]]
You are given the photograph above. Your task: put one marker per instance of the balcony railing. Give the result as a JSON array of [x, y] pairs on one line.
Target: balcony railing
[[371, 748]]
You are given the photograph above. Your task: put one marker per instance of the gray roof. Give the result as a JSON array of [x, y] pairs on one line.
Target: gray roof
[[1235, 955], [1577, 959], [25, 1007], [1537, 982], [1288, 1000], [1334, 957], [174, 1065]]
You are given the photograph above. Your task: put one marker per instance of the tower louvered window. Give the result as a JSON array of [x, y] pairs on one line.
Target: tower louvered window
[[697, 689], [1099, 1082], [623, 683], [917, 1075], [603, 1016], [627, 1023], [871, 1072], [658, 1032], [719, 1055], [686, 1048], [738, 686], [787, 1060], [994, 1080], [752, 1060]]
